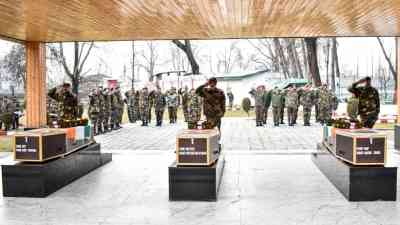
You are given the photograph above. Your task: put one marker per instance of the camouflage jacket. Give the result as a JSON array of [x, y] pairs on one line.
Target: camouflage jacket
[[95, 104], [369, 102], [352, 107], [213, 101], [67, 103], [259, 97], [144, 100], [185, 97], [172, 99], [307, 98], [276, 98], [292, 99], [159, 100]]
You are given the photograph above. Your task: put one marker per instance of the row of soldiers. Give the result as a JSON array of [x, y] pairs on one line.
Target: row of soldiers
[[9, 112], [106, 107], [324, 101], [140, 104]]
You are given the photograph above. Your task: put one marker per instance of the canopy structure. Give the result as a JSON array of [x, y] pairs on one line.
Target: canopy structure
[[87, 20], [36, 22]]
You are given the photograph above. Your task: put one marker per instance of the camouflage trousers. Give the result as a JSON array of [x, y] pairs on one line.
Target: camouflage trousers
[[276, 115], [259, 114], [265, 115], [185, 110], [159, 116], [144, 114], [306, 115], [131, 114], [281, 114], [323, 114], [291, 112], [106, 120], [172, 114], [369, 121], [194, 115]]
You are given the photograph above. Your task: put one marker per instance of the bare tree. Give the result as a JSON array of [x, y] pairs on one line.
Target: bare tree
[[229, 58], [14, 65], [186, 47], [312, 59], [335, 71], [282, 58], [391, 68], [81, 53], [266, 57], [305, 61], [150, 59]]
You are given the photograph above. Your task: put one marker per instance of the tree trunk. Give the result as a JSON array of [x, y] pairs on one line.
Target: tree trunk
[[133, 66], [391, 67], [312, 57], [305, 61], [335, 64], [282, 59], [297, 60], [187, 49], [292, 60]]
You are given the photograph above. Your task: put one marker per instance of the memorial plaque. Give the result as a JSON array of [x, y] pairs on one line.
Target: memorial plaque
[[197, 147], [361, 147]]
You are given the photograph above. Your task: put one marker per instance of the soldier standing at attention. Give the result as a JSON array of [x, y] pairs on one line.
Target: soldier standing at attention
[[316, 100], [136, 109], [307, 100], [291, 102], [185, 98], [159, 105], [276, 103], [214, 101], [267, 104], [94, 111], [8, 112], [130, 102], [66, 100], [369, 103], [230, 98], [258, 95], [172, 103], [194, 109], [324, 104], [106, 109], [352, 107], [144, 102], [115, 109], [282, 108]]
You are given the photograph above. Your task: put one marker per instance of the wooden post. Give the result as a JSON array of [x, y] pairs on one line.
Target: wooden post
[[36, 111]]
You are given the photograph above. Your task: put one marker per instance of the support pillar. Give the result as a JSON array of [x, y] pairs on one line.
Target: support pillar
[[36, 109]]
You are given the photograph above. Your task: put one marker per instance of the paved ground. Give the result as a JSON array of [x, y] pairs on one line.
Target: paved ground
[[238, 134], [258, 185]]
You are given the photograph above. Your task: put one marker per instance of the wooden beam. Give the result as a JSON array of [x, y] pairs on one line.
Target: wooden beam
[[398, 78], [36, 111]]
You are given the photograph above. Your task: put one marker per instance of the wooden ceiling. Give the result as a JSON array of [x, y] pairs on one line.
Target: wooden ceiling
[[86, 20]]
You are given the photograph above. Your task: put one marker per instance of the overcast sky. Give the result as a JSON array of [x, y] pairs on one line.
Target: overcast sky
[[118, 54]]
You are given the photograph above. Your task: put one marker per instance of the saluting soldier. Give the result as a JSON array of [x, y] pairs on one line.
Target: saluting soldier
[[369, 103], [324, 104], [130, 104], [66, 100], [106, 109], [259, 96], [94, 111], [213, 102]]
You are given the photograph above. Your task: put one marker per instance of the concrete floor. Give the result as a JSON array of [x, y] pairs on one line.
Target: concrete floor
[[258, 187]]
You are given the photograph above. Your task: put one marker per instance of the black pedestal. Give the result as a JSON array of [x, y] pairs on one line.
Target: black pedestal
[[397, 137], [195, 183], [40, 180], [357, 183]]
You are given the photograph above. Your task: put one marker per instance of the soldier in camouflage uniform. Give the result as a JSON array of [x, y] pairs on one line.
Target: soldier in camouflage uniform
[[7, 115], [130, 104], [172, 103], [259, 96], [94, 111], [291, 101], [136, 106], [185, 98], [230, 98], [276, 103], [324, 104], [282, 108], [106, 109], [213, 102], [144, 101], [267, 104], [194, 109], [159, 105], [117, 107], [307, 101], [66, 100], [369, 103]]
